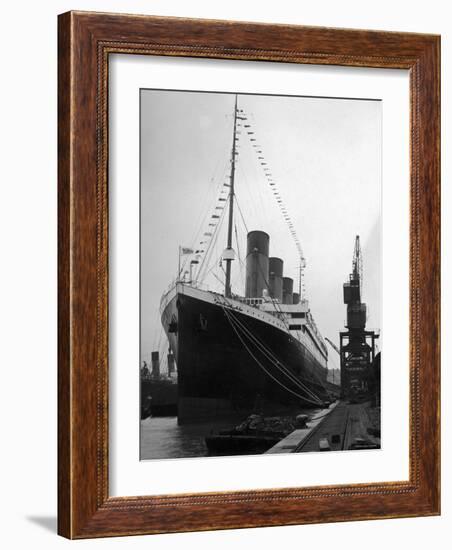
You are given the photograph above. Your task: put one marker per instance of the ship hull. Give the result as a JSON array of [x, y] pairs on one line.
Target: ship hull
[[158, 397], [223, 371]]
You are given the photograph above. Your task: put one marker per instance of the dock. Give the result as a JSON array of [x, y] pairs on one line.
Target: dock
[[343, 426]]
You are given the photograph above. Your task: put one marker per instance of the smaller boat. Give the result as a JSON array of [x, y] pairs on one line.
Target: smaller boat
[[253, 436]]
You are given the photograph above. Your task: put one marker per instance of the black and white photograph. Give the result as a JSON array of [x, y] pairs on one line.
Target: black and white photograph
[[260, 274], [216, 217]]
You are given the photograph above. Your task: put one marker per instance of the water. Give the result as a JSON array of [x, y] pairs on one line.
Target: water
[[161, 437]]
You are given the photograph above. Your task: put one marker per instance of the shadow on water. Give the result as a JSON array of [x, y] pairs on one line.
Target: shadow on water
[[49, 523], [162, 437]]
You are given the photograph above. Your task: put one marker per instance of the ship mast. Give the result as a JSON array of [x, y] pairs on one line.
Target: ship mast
[[230, 256]]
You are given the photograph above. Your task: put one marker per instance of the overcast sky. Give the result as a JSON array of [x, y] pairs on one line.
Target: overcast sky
[[325, 156]]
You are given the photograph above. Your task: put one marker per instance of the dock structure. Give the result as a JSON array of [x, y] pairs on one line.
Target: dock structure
[[357, 345], [344, 426]]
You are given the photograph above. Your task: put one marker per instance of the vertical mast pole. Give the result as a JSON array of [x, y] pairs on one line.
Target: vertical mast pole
[[227, 289]]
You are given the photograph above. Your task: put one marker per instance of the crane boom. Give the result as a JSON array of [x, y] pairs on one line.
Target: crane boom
[[332, 345], [358, 265]]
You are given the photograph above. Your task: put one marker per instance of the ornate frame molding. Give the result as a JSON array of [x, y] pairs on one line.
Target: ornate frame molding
[[85, 42]]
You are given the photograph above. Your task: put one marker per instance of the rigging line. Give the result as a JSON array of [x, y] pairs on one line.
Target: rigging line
[[316, 377], [221, 158], [275, 304], [246, 188], [242, 267], [258, 211], [300, 385], [204, 270], [262, 367], [207, 216], [277, 307], [310, 398], [209, 249], [216, 195], [206, 208], [241, 214], [208, 200], [242, 263], [214, 265], [212, 245], [278, 364], [234, 324], [239, 255], [286, 215], [237, 242], [319, 379], [218, 278]]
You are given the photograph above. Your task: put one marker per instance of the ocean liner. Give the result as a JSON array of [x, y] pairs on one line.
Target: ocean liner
[[259, 351]]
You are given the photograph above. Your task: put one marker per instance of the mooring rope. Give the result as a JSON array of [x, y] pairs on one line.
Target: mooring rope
[[276, 362], [302, 397]]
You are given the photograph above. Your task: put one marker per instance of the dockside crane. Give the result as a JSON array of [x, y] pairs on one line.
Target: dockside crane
[[333, 345], [357, 270], [357, 345]]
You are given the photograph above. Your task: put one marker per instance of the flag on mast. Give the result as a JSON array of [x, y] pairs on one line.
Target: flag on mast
[[185, 250]]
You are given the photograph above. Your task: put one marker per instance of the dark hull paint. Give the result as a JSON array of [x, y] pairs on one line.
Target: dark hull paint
[[218, 376], [158, 397]]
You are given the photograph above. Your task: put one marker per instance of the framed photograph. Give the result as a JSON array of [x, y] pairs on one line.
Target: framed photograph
[[248, 275]]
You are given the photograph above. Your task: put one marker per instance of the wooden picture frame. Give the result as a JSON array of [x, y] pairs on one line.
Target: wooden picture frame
[[85, 42]]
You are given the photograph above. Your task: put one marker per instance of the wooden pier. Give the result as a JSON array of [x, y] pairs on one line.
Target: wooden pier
[[344, 426]]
